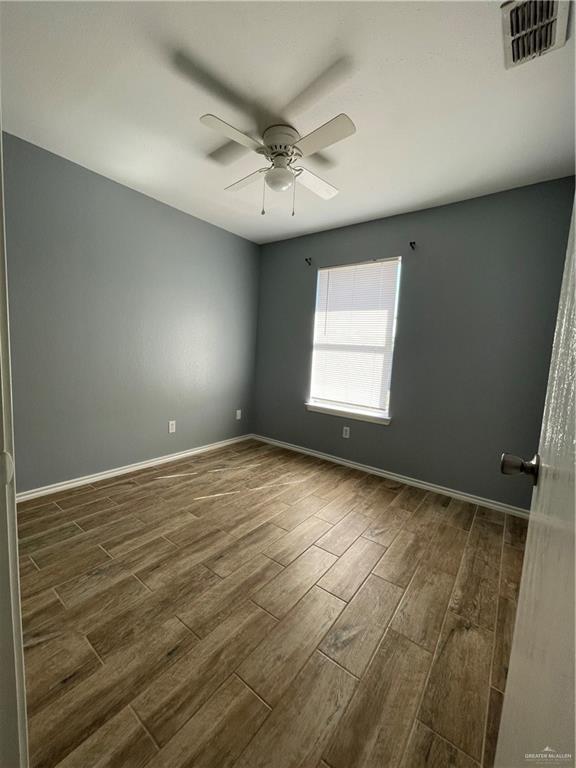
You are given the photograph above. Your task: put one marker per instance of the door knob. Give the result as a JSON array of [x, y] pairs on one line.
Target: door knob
[[514, 465]]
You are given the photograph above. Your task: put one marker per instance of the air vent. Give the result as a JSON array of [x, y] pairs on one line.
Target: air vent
[[532, 28]]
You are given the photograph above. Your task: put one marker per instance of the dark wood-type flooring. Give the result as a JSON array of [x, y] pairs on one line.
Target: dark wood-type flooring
[[254, 607]]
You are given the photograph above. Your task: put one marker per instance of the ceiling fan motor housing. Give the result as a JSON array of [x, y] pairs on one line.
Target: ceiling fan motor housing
[[279, 142]]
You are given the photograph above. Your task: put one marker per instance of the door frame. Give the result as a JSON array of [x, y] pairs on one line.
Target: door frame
[[13, 721]]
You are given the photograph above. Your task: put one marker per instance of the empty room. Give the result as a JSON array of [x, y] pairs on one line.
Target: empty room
[[287, 384]]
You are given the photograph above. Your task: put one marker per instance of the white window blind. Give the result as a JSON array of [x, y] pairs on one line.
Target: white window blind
[[354, 337]]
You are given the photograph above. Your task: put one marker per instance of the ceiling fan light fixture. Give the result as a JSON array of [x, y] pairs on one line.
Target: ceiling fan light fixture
[[279, 179]]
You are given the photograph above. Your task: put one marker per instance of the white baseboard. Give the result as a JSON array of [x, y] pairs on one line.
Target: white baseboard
[[87, 479], [497, 505]]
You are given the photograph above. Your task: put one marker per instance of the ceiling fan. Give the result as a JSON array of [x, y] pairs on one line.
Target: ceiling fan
[[281, 144], [283, 148]]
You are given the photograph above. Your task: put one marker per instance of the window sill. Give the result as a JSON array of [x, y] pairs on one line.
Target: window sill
[[348, 413]]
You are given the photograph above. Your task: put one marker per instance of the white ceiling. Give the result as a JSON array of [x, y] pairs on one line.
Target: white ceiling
[[438, 117]]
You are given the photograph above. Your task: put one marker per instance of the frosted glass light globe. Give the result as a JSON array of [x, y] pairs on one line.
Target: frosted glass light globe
[[279, 179]]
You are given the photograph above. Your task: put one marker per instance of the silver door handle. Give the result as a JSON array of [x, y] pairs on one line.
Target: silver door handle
[[514, 465], [6, 468]]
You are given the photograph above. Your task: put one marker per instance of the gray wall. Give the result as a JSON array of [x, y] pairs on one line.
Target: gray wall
[[124, 313], [478, 302]]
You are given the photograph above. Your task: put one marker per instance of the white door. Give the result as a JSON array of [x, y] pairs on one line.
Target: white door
[[13, 738], [537, 726]]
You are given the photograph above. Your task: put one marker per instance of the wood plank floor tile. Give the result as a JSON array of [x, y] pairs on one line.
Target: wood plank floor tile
[[386, 526], [160, 510], [116, 512], [425, 519], [62, 571], [92, 582], [475, 595], [299, 727], [377, 723], [291, 546], [270, 668], [446, 548], [85, 541], [52, 498], [217, 602], [219, 731], [456, 696], [176, 695], [117, 546], [339, 507], [76, 500], [410, 498], [41, 608], [254, 517], [122, 742], [284, 591], [376, 498], [51, 536], [294, 493], [175, 564], [490, 515], [421, 612], [344, 534], [515, 531], [438, 502], [512, 559], [401, 559], [349, 571], [90, 613], [27, 510], [428, 750], [192, 531], [299, 512], [244, 549], [126, 628], [26, 565], [459, 513], [112, 570], [356, 634], [492, 727], [57, 731], [39, 524], [333, 488], [145, 556], [55, 666], [504, 634]]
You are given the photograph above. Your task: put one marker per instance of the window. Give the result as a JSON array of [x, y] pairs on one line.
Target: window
[[354, 331]]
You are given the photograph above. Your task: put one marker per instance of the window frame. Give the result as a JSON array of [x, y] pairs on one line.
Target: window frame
[[344, 410]]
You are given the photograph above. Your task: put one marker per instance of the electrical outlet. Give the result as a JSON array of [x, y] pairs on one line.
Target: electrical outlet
[[171, 427], [346, 432], [238, 414]]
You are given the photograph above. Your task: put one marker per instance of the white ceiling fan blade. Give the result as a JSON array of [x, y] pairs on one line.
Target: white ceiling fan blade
[[334, 130], [316, 184], [250, 179], [228, 130]]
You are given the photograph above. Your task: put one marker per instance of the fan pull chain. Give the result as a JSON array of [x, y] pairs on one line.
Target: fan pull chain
[[263, 211], [293, 194]]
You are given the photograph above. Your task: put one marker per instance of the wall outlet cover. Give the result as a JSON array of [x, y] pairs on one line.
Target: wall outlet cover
[[238, 414], [346, 432], [171, 427]]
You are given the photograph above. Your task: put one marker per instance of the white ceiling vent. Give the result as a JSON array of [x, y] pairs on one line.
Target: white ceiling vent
[[532, 28]]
